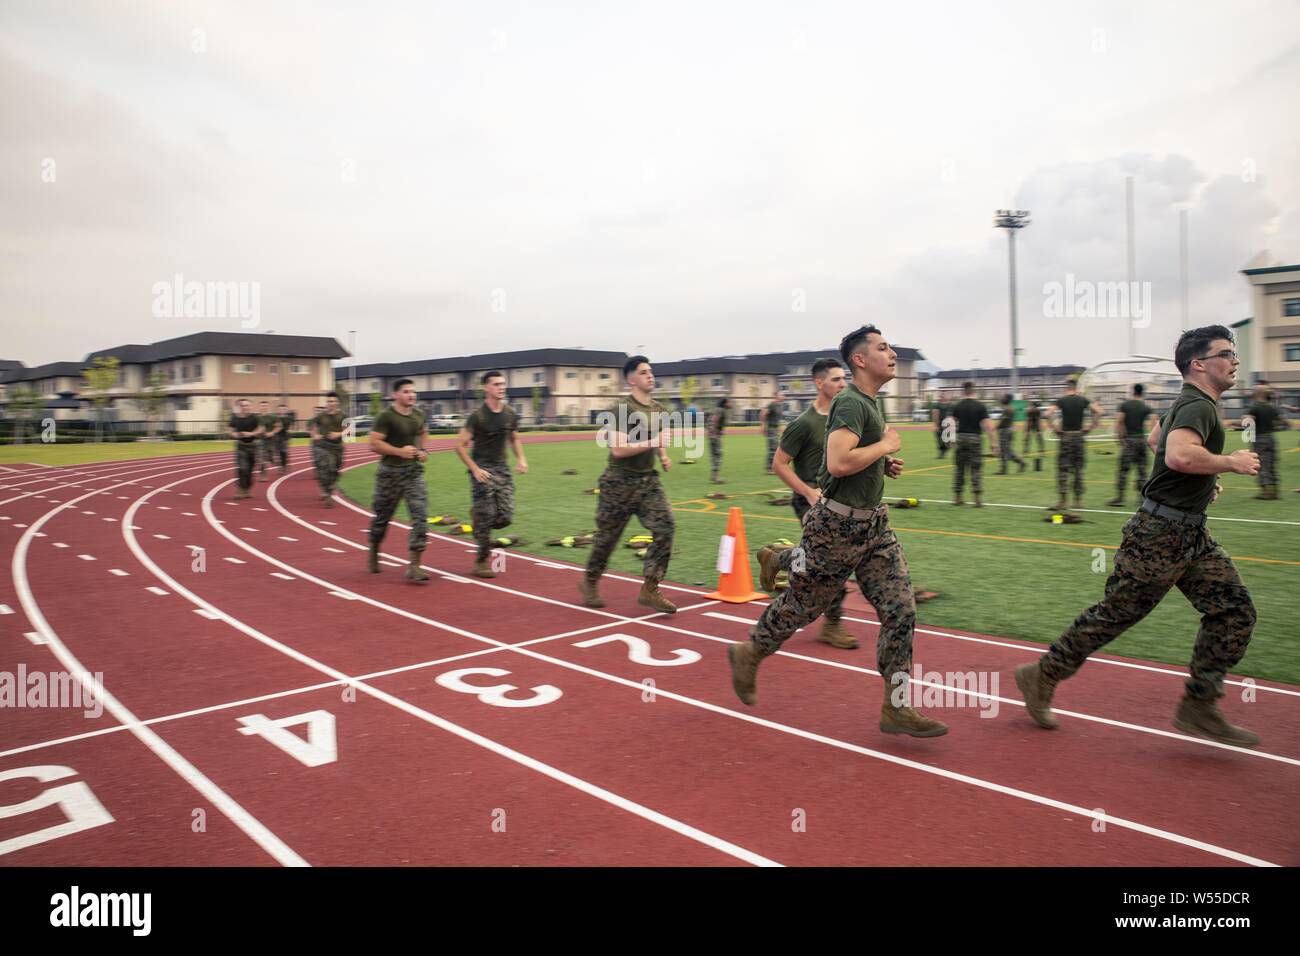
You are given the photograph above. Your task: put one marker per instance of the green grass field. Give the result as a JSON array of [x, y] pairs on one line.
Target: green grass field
[[999, 570]]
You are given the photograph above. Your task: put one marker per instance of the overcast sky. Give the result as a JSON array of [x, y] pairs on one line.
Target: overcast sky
[[674, 177]]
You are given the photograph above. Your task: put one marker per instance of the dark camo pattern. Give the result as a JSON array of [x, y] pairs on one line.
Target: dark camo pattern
[[266, 452], [1031, 434], [282, 449], [835, 610], [245, 456], [623, 495], [1156, 555], [392, 484], [1266, 447], [970, 457], [773, 443], [835, 547], [1069, 460], [1133, 456], [492, 504], [715, 455], [1007, 448], [328, 459]]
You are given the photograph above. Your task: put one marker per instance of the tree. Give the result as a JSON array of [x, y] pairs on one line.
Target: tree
[[152, 400], [538, 403], [689, 389], [345, 399], [24, 404], [376, 404], [100, 377]]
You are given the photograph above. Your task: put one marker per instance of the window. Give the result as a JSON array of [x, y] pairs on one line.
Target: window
[[273, 368], [537, 377], [243, 368], [743, 381], [1291, 352], [604, 376], [1291, 306], [299, 370], [717, 382], [451, 381], [569, 375]]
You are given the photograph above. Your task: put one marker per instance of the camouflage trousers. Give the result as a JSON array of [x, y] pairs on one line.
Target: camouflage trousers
[[1007, 448], [623, 495], [492, 504], [282, 450], [773, 442], [1266, 447], [392, 484], [1156, 555], [791, 558], [1132, 456], [832, 548], [245, 456], [327, 456], [1033, 433], [715, 455], [1069, 460], [970, 457], [265, 452]]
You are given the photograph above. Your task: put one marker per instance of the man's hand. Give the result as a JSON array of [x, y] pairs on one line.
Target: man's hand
[[407, 451], [665, 460], [665, 439], [521, 466], [812, 496], [893, 467], [481, 475], [1218, 490], [890, 440], [1244, 462]]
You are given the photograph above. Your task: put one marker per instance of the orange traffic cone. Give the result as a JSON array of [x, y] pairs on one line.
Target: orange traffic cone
[[735, 583]]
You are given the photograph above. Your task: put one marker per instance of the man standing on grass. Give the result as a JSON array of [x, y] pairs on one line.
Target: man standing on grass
[[1034, 429], [715, 425], [847, 532], [491, 486], [972, 422], [636, 433], [246, 429], [1166, 545], [1007, 437], [398, 434], [1267, 420], [327, 447], [802, 446], [772, 426], [1067, 423], [1131, 432]]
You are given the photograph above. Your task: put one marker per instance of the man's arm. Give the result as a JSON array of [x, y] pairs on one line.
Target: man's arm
[[1153, 439], [1186, 452], [465, 438], [621, 447], [844, 459], [1097, 412], [781, 465], [1120, 431], [232, 431], [521, 463], [381, 447]]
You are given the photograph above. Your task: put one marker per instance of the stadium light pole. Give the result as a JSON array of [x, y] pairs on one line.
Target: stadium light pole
[[1011, 220], [352, 347]]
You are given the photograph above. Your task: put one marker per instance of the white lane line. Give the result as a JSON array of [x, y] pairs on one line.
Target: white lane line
[[88, 512], [234, 560], [162, 537], [282, 577], [156, 590], [237, 815], [109, 519], [330, 523], [794, 731], [248, 529], [189, 514], [34, 637], [285, 537], [340, 594], [6, 609], [20, 525], [119, 572], [391, 564], [335, 550], [86, 557], [163, 508], [259, 509], [201, 612]]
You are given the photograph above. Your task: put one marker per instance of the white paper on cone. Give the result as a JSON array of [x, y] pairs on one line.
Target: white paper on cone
[[726, 553]]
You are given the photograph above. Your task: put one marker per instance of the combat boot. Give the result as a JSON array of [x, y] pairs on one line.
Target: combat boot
[[1116, 502], [1037, 690], [958, 500], [833, 633], [1058, 507], [1023, 465], [1002, 470], [589, 596], [979, 501], [1202, 718], [898, 718], [482, 570], [413, 570], [1038, 464], [745, 658], [373, 563], [769, 566], [651, 596]]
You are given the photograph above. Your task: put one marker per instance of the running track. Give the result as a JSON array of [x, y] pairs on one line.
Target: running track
[[619, 742]]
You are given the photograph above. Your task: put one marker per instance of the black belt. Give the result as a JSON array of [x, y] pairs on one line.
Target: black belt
[[1173, 514], [860, 514]]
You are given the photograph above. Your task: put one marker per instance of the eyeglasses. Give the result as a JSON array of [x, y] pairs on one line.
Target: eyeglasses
[[1224, 353]]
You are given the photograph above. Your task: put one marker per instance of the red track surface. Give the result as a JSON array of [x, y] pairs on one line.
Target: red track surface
[[603, 767]]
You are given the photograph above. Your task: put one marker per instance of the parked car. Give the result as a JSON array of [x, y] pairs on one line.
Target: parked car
[[447, 421], [361, 424]]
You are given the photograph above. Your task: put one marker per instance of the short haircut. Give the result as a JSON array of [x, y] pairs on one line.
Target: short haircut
[[331, 394], [632, 363], [1193, 342], [264, 402], [968, 387], [824, 365], [491, 375], [1138, 390], [240, 401], [723, 403], [849, 344], [1006, 399], [401, 383]]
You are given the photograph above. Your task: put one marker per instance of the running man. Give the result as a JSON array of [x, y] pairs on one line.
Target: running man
[[265, 444], [1131, 431], [284, 424], [327, 447], [491, 486], [398, 434], [847, 533], [1067, 423], [802, 445], [247, 430], [636, 435], [1166, 545]]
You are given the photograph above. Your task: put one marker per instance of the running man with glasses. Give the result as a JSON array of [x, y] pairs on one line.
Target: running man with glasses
[[1167, 545]]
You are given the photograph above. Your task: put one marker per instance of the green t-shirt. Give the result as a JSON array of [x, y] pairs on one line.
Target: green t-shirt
[[244, 423], [1265, 415], [399, 431], [267, 422], [717, 422], [970, 413], [1135, 412], [853, 410], [641, 423], [804, 440], [286, 424], [325, 423], [1073, 408], [772, 417], [490, 431], [1195, 410]]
